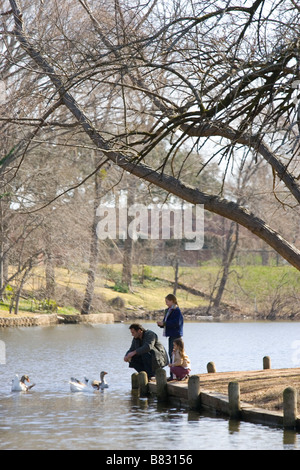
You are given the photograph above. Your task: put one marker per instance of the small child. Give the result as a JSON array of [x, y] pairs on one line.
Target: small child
[[181, 365]]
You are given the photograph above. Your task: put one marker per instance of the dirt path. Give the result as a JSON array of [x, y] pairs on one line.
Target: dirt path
[[262, 389]]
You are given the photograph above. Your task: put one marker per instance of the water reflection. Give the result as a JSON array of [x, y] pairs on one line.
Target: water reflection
[[233, 426], [51, 417]]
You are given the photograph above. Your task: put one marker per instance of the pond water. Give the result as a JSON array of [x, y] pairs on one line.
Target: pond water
[[52, 417]]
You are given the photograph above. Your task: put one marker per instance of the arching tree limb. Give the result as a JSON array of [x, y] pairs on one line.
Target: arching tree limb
[[223, 207]]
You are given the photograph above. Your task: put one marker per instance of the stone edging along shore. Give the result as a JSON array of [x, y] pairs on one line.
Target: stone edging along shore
[[53, 319]]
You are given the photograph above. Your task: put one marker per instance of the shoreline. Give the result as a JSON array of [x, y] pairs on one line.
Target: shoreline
[[52, 319]]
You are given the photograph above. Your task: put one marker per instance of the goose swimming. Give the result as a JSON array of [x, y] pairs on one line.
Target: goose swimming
[[78, 386], [100, 385], [88, 385], [18, 385]]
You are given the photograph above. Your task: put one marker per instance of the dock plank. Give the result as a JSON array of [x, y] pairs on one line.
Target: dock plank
[[260, 392], [259, 387]]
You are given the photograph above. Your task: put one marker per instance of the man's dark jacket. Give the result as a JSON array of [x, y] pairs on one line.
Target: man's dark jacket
[[150, 343]]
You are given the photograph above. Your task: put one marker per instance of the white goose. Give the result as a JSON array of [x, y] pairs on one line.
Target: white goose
[[88, 385], [78, 386], [18, 385]]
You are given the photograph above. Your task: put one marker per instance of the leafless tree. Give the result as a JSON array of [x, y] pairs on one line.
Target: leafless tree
[[214, 76]]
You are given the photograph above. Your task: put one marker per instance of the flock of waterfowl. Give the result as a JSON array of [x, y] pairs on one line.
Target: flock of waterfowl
[[87, 385]]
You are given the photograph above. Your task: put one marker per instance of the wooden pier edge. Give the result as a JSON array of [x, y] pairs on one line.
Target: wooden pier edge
[[178, 394], [218, 403]]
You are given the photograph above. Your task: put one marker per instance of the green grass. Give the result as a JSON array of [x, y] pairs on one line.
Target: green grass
[[244, 283], [247, 286]]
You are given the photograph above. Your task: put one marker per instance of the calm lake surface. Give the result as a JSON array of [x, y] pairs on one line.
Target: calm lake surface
[[51, 417]]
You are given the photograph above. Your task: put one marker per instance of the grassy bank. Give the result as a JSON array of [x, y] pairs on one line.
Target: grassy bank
[[250, 288]]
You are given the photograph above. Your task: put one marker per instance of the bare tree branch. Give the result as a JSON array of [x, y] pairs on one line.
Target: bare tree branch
[[190, 124]]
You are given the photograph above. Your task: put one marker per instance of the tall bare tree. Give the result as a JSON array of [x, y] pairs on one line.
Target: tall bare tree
[[196, 71], [94, 250]]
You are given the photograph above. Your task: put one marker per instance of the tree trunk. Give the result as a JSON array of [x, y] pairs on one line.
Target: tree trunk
[[16, 298], [49, 260], [128, 243], [3, 253], [221, 288], [176, 278], [94, 254], [127, 262], [49, 271], [227, 258]]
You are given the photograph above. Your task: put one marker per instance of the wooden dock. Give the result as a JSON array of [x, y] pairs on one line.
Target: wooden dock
[[267, 396]]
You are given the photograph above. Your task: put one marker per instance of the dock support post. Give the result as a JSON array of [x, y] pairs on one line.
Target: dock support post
[[135, 385], [211, 368], [289, 407], [234, 400], [267, 362], [161, 385], [194, 392], [143, 383]]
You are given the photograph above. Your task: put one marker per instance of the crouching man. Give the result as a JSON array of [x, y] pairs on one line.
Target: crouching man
[[146, 352]]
